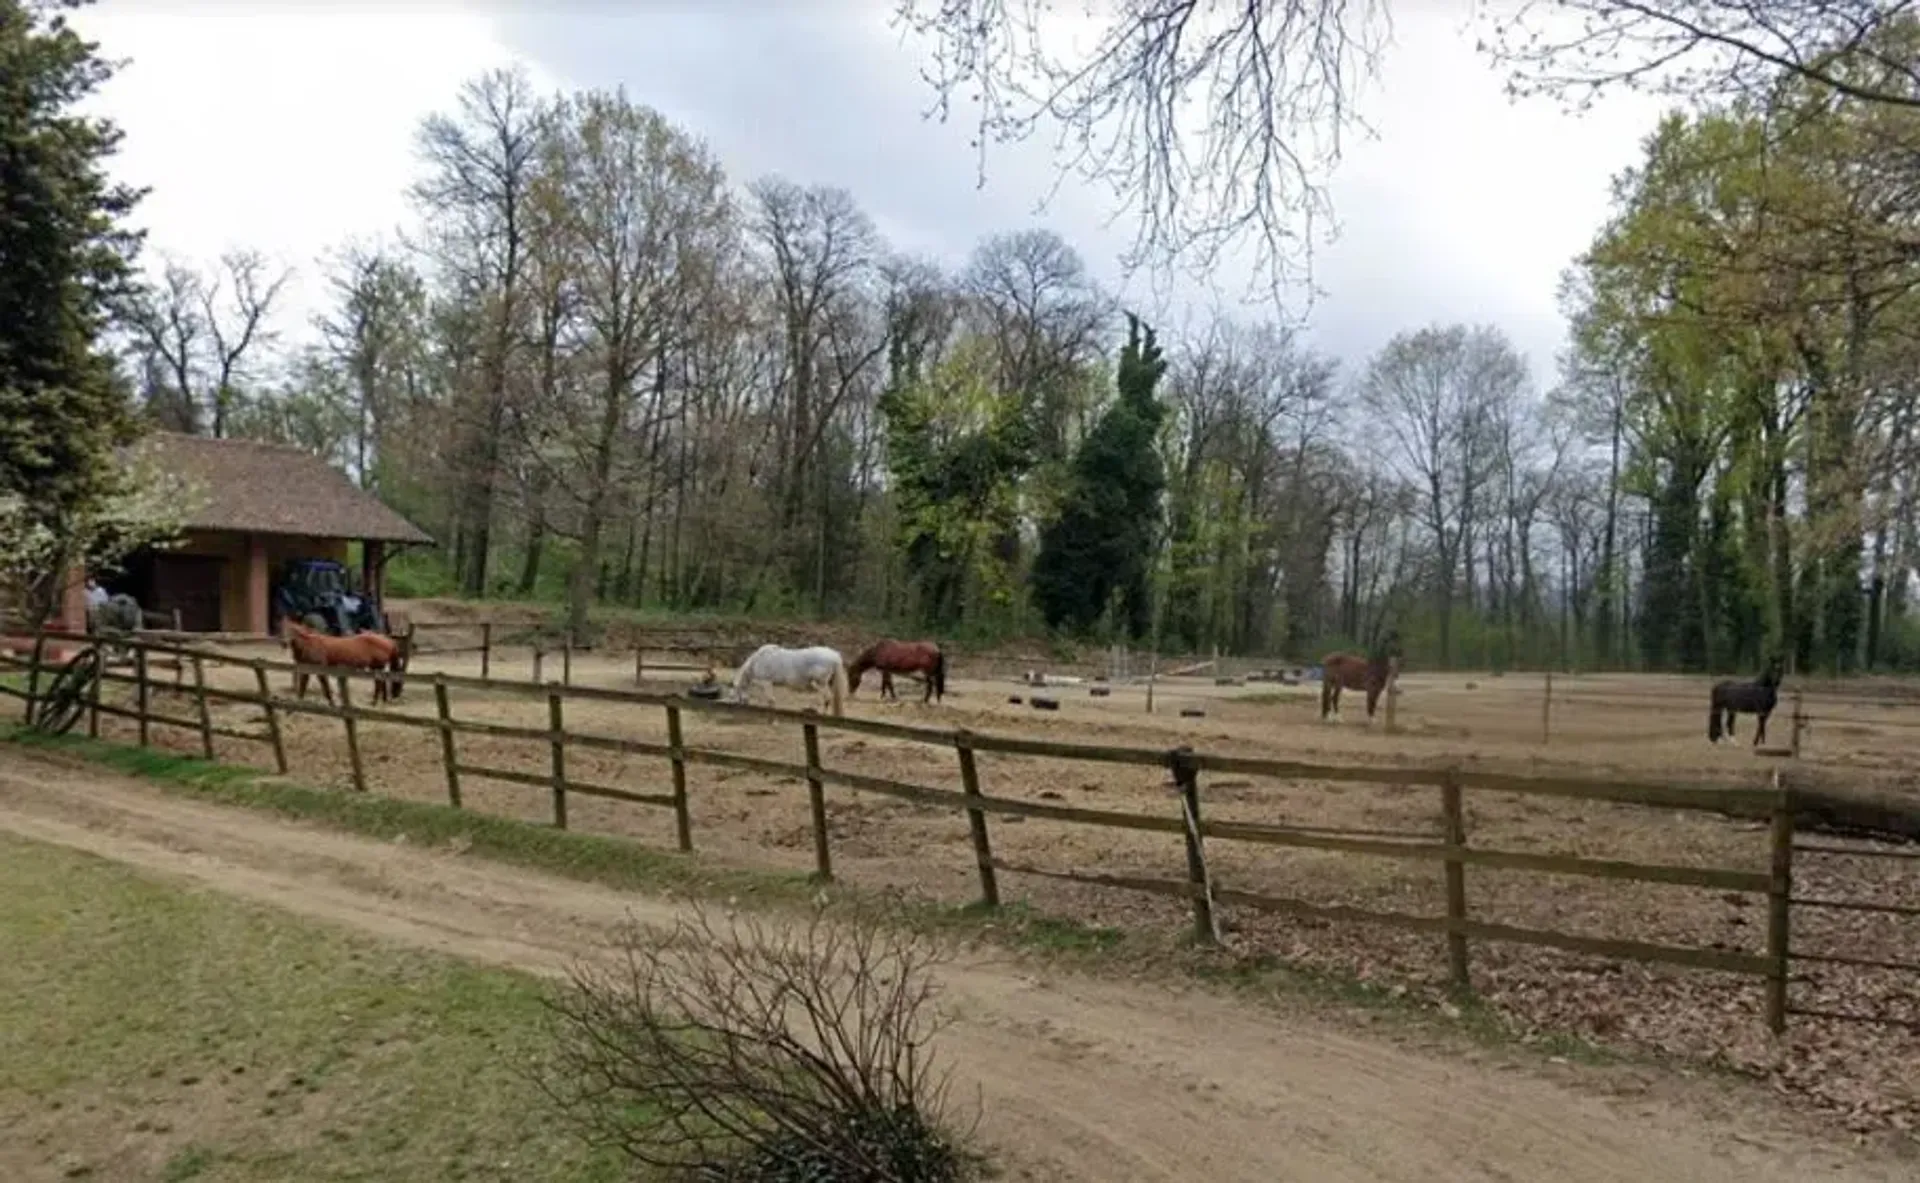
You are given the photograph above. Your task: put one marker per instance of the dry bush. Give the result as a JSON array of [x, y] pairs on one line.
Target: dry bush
[[765, 1050]]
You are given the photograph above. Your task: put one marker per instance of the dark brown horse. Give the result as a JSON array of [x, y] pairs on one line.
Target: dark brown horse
[[362, 651], [1353, 672], [1757, 698], [920, 658]]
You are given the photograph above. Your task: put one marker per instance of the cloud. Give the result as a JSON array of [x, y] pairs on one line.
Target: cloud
[[286, 129], [291, 129]]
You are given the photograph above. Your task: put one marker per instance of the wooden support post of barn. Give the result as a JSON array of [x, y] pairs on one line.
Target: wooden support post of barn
[[486, 649]]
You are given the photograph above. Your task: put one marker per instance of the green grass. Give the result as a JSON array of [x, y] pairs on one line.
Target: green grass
[[624, 864], [159, 1032]]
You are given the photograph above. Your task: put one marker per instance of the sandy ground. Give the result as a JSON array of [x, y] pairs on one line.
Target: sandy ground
[[1639, 727], [1078, 1079]]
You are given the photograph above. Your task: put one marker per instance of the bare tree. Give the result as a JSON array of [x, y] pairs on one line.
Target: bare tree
[[1700, 49], [821, 249], [481, 165], [1271, 81], [640, 210], [1047, 317], [373, 337], [203, 331], [749, 1050]]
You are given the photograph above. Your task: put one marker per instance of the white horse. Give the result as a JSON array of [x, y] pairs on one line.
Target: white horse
[[816, 668]]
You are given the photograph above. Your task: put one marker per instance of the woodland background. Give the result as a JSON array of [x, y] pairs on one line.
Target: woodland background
[[608, 374]]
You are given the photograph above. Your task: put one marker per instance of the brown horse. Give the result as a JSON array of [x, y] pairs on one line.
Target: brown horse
[[890, 657], [1353, 672], [362, 651]]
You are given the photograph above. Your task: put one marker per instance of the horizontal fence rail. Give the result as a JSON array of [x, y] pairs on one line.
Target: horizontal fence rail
[[1448, 846]]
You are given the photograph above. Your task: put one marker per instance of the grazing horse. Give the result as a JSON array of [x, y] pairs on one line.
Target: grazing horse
[[1757, 698], [892, 657], [362, 651], [812, 668], [1353, 672]]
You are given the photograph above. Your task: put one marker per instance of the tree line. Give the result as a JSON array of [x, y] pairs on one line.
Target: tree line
[[601, 370]]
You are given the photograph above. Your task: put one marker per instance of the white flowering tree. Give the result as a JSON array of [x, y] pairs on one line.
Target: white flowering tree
[[143, 506]]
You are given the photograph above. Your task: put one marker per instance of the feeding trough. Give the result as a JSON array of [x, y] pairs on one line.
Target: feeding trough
[[1045, 704], [710, 692], [1099, 691], [1015, 699], [1192, 713]]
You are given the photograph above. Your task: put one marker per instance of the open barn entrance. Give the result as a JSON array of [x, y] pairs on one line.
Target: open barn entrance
[[165, 583]]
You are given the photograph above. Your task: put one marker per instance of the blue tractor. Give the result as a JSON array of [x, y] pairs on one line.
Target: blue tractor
[[319, 593]]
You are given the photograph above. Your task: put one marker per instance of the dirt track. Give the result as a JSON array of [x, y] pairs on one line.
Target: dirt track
[[1080, 1079]]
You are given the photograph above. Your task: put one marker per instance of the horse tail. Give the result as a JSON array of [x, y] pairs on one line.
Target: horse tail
[[1328, 681], [839, 686], [939, 672], [1713, 720]]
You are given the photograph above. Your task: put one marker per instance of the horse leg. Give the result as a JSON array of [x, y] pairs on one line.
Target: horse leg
[[1760, 727]]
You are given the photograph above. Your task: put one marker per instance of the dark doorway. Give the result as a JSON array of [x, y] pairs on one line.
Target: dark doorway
[[165, 583]]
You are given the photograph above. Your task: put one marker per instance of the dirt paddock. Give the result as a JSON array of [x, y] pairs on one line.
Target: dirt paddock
[[1635, 727]]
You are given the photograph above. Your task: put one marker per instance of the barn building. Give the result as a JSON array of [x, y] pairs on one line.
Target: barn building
[[258, 506]]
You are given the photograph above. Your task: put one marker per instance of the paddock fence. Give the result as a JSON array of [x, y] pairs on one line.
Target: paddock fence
[[1205, 894]]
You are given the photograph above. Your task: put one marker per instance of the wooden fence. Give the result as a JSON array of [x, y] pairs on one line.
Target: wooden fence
[[1185, 766]]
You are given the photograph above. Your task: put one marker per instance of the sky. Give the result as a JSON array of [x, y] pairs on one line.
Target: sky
[[289, 128]]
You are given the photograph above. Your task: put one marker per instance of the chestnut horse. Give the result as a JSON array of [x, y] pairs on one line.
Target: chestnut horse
[[1353, 672], [890, 657], [362, 651]]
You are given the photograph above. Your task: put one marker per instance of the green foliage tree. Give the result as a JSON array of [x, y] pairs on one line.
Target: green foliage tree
[[64, 261], [1099, 552]]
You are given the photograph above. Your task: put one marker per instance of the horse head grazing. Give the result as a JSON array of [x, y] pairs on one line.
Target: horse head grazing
[[858, 668]]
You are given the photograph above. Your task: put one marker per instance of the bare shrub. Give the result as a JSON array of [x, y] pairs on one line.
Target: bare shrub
[[765, 1050]]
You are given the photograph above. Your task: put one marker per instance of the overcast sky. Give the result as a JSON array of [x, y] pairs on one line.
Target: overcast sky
[[289, 128]]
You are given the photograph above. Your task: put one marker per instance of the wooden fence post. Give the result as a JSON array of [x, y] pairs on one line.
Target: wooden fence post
[[1393, 702], [273, 717], [447, 757], [1454, 813], [1186, 775], [1779, 907], [1799, 723], [347, 716], [639, 666], [141, 693], [537, 656], [486, 649], [1546, 712], [977, 820], [557, 738], [817, 800], [33, 675], [566, 660], [682, 819], [93, 699], [206, 715]]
